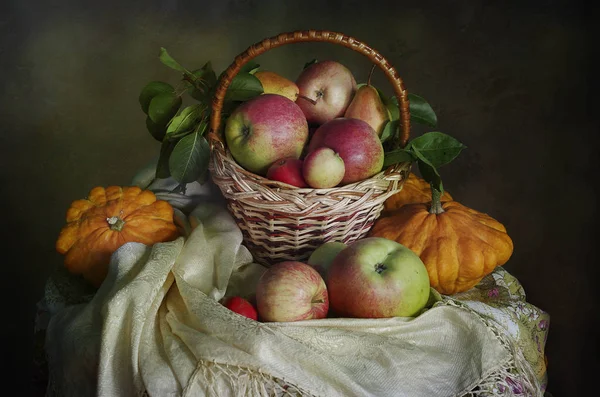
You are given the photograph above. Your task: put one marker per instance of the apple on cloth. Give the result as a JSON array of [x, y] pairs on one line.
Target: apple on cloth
[[240, 306], [291, 291], [375, 278], [323, 256]]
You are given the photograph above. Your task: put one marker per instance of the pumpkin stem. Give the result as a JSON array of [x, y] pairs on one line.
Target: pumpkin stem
[[115, 223], [436, 204]]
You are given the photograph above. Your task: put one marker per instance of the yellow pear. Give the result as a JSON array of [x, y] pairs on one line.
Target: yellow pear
[[367, 105], [275, 84]]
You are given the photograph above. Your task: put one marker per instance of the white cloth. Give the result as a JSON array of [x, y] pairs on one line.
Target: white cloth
[[155, 327]]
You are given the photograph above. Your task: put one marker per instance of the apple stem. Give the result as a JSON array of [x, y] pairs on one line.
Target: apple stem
[[436, 204], [308, 99], [379, 268], [371, 74]]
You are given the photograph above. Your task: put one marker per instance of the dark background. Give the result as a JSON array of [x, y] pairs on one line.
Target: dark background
[[514, 81]]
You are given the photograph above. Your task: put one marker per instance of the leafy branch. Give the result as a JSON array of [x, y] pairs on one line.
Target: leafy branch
[[185, 153], [430, 151]]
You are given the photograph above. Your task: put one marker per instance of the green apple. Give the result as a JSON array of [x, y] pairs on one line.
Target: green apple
[[323, 256], [376, 277], [265, 129]]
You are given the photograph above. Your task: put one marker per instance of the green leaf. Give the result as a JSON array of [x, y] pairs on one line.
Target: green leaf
[[390, 129], [207, 74], [157, 131], [189, 159], [438, 148], [309, 63], [428, 170], [398, 156], [250, 67], [162, 166], [186, 120], [228, 108], [168, 60], [163, 107], [205, 79], [420, 111], [391, 104], [151, 90], [244, 87]]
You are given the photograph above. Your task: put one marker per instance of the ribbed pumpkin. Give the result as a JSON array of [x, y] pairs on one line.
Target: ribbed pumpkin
[[97, 226], [458, 245], [414, 190]]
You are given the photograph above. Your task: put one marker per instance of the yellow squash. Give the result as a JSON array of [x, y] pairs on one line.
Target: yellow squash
[[97, 226], [458, 245]]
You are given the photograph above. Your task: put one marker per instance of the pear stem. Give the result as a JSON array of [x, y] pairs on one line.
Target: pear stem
[[308, 99], [371, 74]]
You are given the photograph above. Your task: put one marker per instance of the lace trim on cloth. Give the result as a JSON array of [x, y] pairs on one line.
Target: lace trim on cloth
[[514, 378]]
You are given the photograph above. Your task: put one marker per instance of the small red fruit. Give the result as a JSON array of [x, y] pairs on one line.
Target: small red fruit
[[241, 306], [287, 170]]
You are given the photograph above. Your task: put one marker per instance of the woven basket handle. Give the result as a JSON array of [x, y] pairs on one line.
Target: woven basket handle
[[310, 36]]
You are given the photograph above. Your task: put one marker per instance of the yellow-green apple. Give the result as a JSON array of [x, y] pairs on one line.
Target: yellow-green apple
[[265, 129], [322, 257], [291, 291], [376, 277], [355, 142], [323, 168], [240, 306], [287, 170], [274, 83], [326, 89]]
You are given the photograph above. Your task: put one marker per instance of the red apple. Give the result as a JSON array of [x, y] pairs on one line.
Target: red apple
[[376, 277], [241, 306], [288, 171], [357, 144], [265, 129], [323, 168], [291, 291], [325, 90]]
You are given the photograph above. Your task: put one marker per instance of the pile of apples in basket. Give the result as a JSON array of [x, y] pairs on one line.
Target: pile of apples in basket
[[321, 131], [269, 134]]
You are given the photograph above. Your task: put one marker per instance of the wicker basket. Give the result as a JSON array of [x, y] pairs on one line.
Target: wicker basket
[[281, 222]]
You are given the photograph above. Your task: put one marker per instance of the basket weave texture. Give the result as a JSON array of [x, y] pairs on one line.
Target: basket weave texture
[[281, 222]]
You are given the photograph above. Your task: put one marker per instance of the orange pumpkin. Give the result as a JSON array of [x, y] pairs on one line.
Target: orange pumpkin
[[414, 190], [458, 245], [97, 226]]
